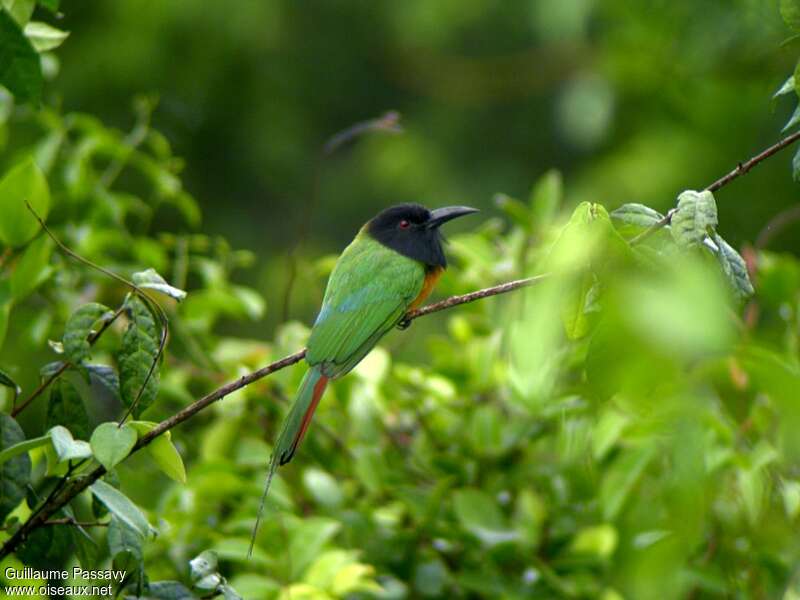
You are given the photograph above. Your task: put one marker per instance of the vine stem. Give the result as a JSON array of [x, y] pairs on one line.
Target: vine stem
[[79, 484], [737, 172]]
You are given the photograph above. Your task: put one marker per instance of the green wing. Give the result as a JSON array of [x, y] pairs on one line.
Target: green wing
[[368, 292]]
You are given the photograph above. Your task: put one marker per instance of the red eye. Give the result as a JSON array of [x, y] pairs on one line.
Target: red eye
[[404, 224]]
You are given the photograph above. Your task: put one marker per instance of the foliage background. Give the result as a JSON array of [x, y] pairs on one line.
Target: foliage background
[[484, 451]]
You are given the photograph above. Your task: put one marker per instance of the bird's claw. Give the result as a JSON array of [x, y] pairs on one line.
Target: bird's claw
[[404, 323]]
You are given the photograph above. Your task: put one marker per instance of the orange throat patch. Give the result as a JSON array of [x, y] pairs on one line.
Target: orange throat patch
[[432, 275]]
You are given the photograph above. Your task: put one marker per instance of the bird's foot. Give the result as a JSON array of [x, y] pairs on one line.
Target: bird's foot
[[404, 323]]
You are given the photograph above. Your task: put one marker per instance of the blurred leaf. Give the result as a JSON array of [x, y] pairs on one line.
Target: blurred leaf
[[634, 218], [696, 214], [33, 268], [46, 546], [66, 408], [15, 471], [793, 120], [105, 376], [169, 590], [203, 564], [598, 540], [790, 11], [151, 280], [479, 515], [621, 478], [545, 199], [308, 537], [86, 550], [44, 37], [323, 487], [23, 183], [20, 70], [790, 489], [787, 87], [111, 444], [124, 545], [119, 504], [78, 328], [20, 10], [66, 447], [6, 301], [577, 305], [137, 354]]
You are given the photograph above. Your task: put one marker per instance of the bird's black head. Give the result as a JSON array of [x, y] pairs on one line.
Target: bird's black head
[[413, 230]]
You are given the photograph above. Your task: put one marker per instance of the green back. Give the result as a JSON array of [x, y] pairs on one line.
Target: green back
[[368, 292]]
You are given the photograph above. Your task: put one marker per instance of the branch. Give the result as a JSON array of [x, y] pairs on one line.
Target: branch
[[79, 484], [740, 170]]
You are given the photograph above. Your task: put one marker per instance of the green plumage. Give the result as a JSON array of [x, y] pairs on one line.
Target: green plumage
[[368, 292]]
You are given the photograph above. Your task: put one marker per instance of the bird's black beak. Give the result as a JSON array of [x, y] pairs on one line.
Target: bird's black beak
[[443, 215]]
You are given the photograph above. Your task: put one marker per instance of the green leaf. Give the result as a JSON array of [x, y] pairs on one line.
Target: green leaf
[[136, 356], [86, 549], [78, 329], [15, 471], [6, 302], [695, 216], [44, 37], [112, 444], [578, 302], [20, 68], [514, 209], [169, 590], [24, 182], [734, 267], [790, 11], [6, 381], [793, 120], [479, 514], [125, 545], [120, 505], [66, 447], [796, 166], [23, 448], [636, 216], [106, 377], [545, 199], [308, 538], [203, 564], [162, 451], [151, 280], [598, 540], [20, 10], [787, 87], [32, 269], [51, 5], [66, 408], [621, 478], [46, 546]]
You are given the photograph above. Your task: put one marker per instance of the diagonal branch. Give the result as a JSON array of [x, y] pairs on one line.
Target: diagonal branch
[[79, 484], [740, 170]]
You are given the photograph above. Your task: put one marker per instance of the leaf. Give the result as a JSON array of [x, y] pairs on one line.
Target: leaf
[[796, 166], [66, 408], [734, 267], [151, 280], [104, 376], [479, 514], [203, 564], [163, 451], [24, 182], [79, 327], [22, 448], [308, 538], [786, 88], [621, 478], [86, 549], [120, 505], [793, 120], [32, 269], [636, 215], [545, 199], [577, 304], [44, 37], [790, 12], [124, 545], [66, 447], [696, 214], [112, 444], [15, 472], [515, 209], [46, 546], [6, 301], [598, 540], [51, 5], [20, 68], [136, 356], [169, 590], [20, 10], [6, 381]]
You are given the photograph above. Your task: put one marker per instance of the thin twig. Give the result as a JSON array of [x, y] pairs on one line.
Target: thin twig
[[740, 170], [79, 484]]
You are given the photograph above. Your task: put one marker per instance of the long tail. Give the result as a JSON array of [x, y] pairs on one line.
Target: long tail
[[294, 428]]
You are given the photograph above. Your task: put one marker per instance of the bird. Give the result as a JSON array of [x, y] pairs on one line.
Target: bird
[[389, 269]]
